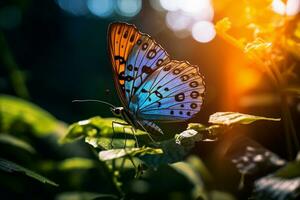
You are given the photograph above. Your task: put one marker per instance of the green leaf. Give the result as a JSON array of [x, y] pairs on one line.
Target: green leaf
[[232, 118], [83, 196], [196, 126], [291, 170], [172, 152], [198, 165], [11, 167], [192, 175], [198, 132], [283, 184], [252, 159], [109, 143], [188, 138], [76, 163], [118, 153], [275, 188], [13, 109], [219, 195], [14, 141], [98, 127], [196, 172]]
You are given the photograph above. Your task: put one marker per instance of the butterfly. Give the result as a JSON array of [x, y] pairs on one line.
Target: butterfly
[[151, 87]]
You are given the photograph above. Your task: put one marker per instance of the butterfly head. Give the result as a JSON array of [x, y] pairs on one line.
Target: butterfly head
[[117, 111]]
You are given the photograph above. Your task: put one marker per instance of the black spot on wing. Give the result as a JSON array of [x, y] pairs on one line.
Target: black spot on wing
[[180, 97], [151, 54]]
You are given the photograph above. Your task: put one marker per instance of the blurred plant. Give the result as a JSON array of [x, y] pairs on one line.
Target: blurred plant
[[117, 149], [270, 39], [16, 75], [127, 171]]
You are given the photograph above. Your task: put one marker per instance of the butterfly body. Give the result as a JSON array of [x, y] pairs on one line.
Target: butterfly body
[[150, 85]]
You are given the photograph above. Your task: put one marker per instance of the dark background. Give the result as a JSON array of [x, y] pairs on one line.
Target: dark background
[[65, 58]]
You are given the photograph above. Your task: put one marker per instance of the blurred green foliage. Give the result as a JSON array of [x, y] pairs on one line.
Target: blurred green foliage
[[128, 171], [13, 109], [9, 166]]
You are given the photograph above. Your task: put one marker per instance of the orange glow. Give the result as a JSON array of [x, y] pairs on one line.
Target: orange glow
[[240, 79], [246, 79]]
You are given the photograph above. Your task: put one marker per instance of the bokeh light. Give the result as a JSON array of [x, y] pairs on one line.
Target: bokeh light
[[75, 7], [292, 7], [191, 15], [279, 7], [170, 5], [103, 8], [193, 6], [177, 21], [204, 13], [203, 31], [129, 8]]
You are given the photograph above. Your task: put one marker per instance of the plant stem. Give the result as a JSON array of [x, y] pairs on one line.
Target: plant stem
[[284, 111]]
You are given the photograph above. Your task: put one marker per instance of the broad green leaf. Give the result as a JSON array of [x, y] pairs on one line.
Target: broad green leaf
[[196, 126], [219, 195], [188, 138], [109, 143], [14, 141], [196, 172], [291, 170], [198, 132], [76, 163], [98, 127], [172, 152], [198, 165], [191, 174], [12, 167], [124, 163], [251, 158], [283, 184], [275, 188], [118, 153], [14, 109], [83, 196], [232, 118]]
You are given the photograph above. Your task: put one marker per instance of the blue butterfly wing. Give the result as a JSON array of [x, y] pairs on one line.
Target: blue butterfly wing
[[150, 85], [173, 92], [145, 57]]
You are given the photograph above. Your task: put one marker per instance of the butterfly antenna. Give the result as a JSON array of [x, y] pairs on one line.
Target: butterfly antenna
[[93, 100]]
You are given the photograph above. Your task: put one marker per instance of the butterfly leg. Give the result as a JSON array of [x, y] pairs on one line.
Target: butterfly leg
[[124, 126], [113, 124], [134, 132], [114, 133]]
